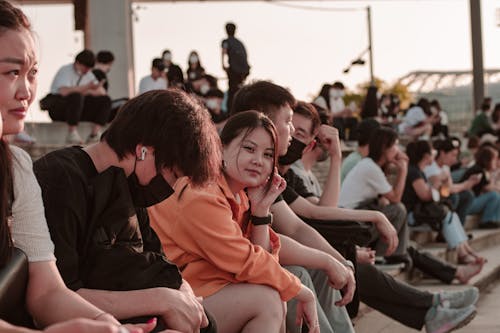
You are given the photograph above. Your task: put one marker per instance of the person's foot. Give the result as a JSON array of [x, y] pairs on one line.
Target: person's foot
[[458, 299], [365, 255], [73, 137], [466, 272], [443, 320]]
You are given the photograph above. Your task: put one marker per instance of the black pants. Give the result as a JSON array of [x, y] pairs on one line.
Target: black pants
[[394, 298], [235, 81], [76, 107], [432, 266], [341, 124]]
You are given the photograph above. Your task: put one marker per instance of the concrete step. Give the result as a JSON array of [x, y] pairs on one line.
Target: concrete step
[[55, 132], [370, 321], [486, 242]]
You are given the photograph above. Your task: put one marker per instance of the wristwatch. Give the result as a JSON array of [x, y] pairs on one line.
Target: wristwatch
[[255, 220], [349, 264]]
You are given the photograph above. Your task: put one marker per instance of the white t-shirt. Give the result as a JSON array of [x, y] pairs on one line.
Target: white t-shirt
[[29, 229], [337, 105], [365, 181], [414, 116], [148, 83], [435, 170], [66, 76]]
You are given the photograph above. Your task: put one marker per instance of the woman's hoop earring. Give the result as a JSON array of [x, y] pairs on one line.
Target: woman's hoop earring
[[224, 164]]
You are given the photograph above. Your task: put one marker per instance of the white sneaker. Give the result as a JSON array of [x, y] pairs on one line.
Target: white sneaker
[[24, 137], [443, 320], [74, 138], [459, 299]]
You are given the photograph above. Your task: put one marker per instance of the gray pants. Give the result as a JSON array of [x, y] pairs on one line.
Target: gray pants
[[396, 214], [332, 319]]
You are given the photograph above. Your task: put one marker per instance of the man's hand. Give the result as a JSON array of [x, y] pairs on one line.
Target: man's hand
[[341, 277], [184, 311], [387, 232], [329, 139], [401, 160], [348, 290]]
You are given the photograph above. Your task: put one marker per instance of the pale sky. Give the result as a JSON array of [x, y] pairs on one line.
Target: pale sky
[[297, 48]]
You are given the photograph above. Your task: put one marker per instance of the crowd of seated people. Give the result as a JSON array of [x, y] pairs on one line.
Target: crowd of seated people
[[169, 223]]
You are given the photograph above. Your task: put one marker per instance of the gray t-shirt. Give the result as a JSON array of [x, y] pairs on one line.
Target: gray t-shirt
[[29, 229]]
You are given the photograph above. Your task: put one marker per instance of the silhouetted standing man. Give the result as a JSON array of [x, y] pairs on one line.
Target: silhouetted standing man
[[234, 62]]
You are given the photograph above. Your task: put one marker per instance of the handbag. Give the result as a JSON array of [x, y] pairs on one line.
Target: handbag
[[14, 278], [431, 213]]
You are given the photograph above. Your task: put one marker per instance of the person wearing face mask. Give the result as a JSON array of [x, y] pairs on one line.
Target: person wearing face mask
[[76, 95], [95, 201], [195, 69], [341, 116], [103, 64], [173, 71], [155, 80], [213, 102]]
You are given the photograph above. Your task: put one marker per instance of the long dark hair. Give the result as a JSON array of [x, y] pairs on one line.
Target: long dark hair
[[11, 18], [246, 122], [5, 198]]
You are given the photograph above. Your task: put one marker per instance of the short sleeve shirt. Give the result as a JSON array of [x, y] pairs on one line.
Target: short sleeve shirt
[[365, 181], [237, 55], [410, 197], [348, 163], [67, 76]]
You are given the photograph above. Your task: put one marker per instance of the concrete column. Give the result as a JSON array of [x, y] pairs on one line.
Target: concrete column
[[477, 53], [109, 27]]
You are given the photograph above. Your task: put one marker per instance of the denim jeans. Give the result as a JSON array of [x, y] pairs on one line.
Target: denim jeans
[[461, 203], [488, 205], [452, 229]]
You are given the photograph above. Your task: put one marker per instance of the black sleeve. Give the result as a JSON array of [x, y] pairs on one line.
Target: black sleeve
[[65, 203], [478, 188], [297, 184], [289, 195]]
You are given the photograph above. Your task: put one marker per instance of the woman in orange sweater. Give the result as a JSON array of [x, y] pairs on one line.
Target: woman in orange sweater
[[220, 235]]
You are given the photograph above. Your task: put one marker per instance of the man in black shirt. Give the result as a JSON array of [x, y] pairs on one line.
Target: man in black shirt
[[234, 62], [95, 202], [173, 72]]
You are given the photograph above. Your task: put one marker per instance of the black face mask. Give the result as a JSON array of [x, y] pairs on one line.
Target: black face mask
[[144, 196], [293, 153]]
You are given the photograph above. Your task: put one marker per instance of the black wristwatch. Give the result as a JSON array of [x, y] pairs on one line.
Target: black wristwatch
[[255, 220]]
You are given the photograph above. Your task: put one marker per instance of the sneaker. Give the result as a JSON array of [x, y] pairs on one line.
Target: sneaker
[[74, 138], [459, 299], [24, 137], [444, 320]]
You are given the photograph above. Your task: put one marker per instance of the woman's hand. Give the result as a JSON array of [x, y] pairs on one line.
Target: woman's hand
[[306, 309], [261, 199]]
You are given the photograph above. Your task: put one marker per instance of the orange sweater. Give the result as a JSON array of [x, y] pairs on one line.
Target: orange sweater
[[201, 232]]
